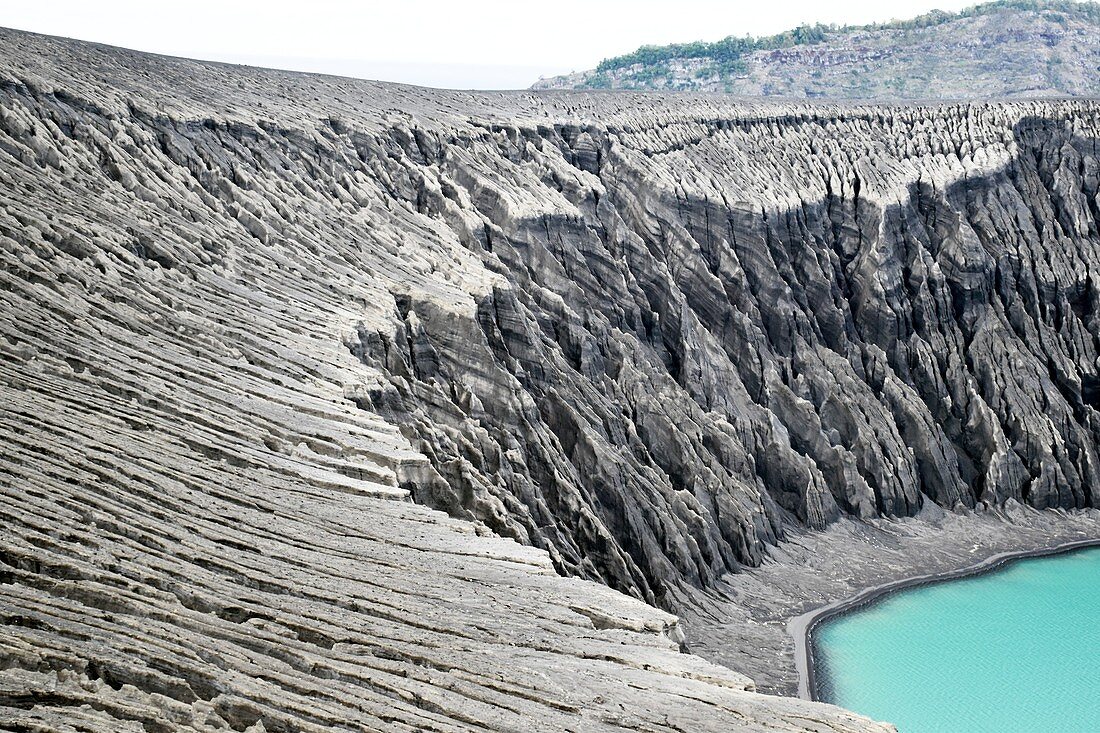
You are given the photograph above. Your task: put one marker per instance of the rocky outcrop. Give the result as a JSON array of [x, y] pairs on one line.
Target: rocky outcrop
[[248, 313]]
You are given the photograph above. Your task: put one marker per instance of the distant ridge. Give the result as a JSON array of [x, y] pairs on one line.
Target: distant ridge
[[999, 49]]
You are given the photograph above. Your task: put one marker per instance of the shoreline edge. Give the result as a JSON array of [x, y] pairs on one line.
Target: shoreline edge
[[801, 627]]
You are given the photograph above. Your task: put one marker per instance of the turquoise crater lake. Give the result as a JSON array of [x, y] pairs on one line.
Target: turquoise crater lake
[[1013, 650]]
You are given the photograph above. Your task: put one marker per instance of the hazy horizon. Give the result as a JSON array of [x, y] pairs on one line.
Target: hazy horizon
[[482, 44]]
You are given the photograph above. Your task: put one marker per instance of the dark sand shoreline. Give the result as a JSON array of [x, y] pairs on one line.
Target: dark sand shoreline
[[801, 627]]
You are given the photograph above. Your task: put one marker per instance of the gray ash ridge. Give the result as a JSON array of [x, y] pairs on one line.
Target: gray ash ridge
[[339, 403]]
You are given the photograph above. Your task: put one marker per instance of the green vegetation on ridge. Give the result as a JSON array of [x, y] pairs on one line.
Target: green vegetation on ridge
[[727, 52]]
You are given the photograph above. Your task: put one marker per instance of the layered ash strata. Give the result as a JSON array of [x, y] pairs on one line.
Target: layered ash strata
[[248, 314]]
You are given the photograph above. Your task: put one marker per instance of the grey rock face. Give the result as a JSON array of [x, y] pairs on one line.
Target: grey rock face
[[717, 327]]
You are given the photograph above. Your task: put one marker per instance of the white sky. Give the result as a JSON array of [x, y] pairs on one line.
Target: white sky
[[485, 44]]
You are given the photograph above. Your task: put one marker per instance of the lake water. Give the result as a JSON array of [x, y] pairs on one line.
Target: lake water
[[1012, 651]]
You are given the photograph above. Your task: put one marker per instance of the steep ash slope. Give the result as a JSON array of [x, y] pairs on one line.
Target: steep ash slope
[[245, 310], [202, 531], [721, 322]]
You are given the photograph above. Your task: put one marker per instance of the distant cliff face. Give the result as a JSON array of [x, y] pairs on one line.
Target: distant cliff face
[[1000, 49], [247, 313]]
